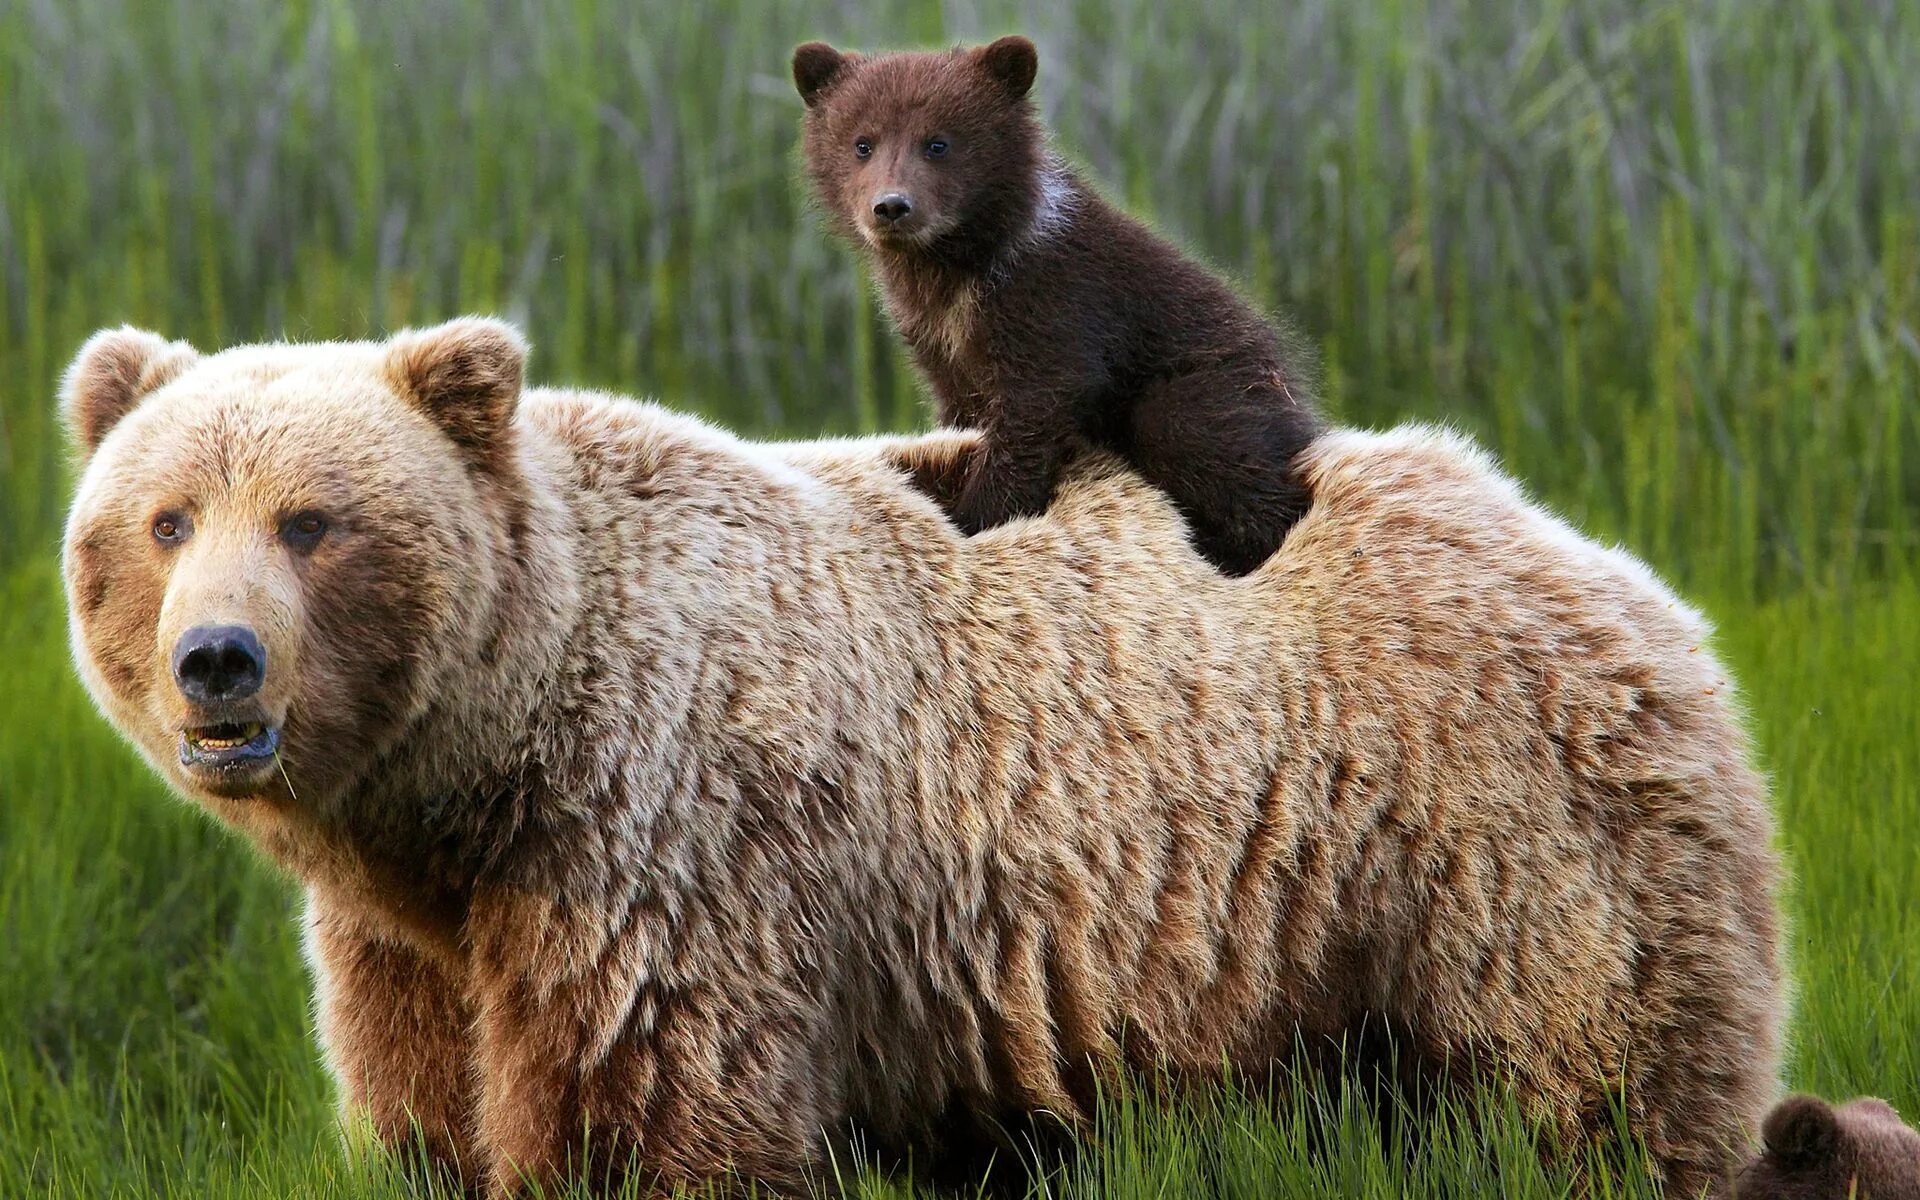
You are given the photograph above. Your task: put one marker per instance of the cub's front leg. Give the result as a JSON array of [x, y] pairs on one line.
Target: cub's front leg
[[395, 1027], [597, 1067], [1024, 445]]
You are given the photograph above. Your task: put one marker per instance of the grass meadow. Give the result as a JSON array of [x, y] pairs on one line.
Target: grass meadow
[[1664, 258]]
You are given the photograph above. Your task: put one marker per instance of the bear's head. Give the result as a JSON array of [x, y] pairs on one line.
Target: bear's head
[[907, 151], [1816, 1151], [277, 554]]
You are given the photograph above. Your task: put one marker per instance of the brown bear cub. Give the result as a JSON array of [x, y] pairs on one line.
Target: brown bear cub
[[1815, 1151], [1042, 315]]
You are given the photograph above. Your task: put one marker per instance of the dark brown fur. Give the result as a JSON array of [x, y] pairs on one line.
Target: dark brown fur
[[1815, 1151], [1045, 317]]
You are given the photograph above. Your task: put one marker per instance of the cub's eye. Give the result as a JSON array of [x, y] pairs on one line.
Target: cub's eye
[[302, 531], [170, 529], [862, 148], [936, 147]]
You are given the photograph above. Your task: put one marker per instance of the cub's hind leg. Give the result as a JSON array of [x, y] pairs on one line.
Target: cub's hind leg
[[1222, 446]]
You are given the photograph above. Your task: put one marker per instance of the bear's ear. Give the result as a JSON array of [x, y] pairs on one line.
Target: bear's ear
[[815, 66], [113, 372], [465, 374], [1872, 1108], [1802, 1131], [1010, 62]]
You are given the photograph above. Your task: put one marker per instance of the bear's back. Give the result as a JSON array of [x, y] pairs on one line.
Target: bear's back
[[1130, 773]]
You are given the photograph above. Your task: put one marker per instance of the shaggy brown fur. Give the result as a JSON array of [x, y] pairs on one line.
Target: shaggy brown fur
[[717, 794], [1815, 1151], [1042, 315]]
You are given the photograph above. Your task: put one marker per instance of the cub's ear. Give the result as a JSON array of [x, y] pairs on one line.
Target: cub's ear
[[465, 374], [816, 66], [1802, 1131], [1872, 1108], [113, 372], [1010, 62]]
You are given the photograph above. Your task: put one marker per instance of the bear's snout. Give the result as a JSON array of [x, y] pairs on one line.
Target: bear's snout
[[891, 207], [213, 664]]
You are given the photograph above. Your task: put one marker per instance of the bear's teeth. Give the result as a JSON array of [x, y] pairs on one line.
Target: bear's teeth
[[208, 740]]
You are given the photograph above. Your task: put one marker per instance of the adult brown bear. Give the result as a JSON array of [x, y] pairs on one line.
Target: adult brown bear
[[712, 795]]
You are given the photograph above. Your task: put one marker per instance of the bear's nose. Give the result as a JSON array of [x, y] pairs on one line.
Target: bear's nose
[[892, 206], [212, 663]]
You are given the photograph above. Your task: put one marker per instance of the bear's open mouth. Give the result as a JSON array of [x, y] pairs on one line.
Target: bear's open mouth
[[228, 745]]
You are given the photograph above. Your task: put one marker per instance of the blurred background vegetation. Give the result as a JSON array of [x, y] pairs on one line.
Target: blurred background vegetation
[[1663, 257]]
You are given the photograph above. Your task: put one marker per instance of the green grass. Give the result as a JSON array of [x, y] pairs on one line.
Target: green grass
[[1663, 257]]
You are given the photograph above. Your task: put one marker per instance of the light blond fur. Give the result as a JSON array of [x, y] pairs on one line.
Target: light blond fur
[[729, 797]]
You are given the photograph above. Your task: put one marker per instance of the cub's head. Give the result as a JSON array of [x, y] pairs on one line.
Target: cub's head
[[911, 150], [1815, 1150], [276, 553]]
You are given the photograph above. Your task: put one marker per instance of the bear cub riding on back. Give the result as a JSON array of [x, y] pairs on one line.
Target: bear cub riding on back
[[1042, 315]]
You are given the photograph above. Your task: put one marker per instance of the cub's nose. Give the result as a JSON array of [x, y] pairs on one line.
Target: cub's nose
[[891, 207], [212, 663]]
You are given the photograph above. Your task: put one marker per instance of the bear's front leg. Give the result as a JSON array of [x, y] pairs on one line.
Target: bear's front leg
[[1017, 466], [395, 1027], [595, 1066]]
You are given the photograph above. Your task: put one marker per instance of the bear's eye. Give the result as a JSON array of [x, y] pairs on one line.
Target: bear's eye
[[169, 529], [302, 531], [862, 148], [936, 147]]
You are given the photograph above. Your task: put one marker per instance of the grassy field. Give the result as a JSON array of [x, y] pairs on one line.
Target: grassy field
[[1664, 258]]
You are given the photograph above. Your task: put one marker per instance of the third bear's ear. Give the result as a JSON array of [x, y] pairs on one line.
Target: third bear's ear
[[1802, 1131], [113, 372], [1012, 63], [815, 66], [465, 374]]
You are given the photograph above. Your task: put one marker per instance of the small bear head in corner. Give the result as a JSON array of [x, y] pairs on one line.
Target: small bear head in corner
[[1817, 1151]]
